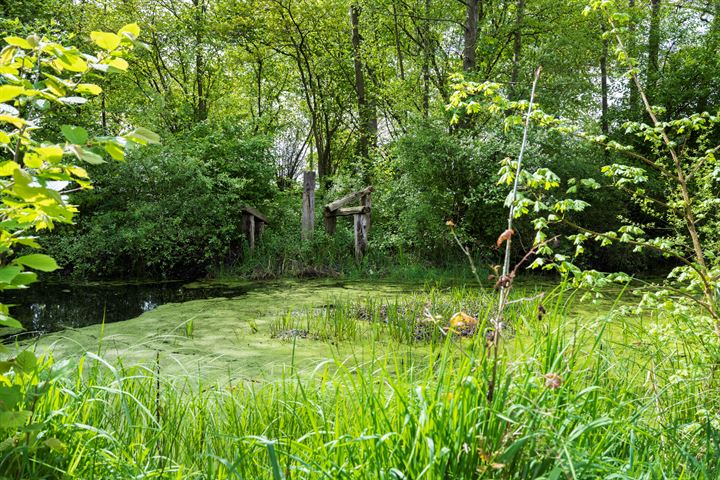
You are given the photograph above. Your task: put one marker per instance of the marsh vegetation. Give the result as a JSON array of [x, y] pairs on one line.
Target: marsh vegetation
[[362, 395], [528, 287]]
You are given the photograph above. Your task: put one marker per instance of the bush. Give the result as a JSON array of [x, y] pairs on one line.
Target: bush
[[171, 210], [434, 175]]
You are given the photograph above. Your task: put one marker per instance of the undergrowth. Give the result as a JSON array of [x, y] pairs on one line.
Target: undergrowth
[[573, 398]]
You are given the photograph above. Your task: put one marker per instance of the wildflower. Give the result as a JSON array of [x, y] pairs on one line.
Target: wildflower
[[450, 224], [553, 381]]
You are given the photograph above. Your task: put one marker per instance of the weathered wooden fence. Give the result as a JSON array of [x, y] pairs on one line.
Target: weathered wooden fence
[[361, 217], [253, 224]]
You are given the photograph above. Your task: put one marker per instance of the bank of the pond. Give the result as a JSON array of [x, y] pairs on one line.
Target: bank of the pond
[[223, 337]]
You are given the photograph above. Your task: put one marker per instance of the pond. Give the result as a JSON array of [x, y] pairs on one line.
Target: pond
[[50, 307]]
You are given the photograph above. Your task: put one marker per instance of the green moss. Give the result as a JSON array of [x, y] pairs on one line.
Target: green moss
[[232, 337], [221, 336]]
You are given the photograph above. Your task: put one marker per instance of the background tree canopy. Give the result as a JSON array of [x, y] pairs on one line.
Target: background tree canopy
[[247, 94]]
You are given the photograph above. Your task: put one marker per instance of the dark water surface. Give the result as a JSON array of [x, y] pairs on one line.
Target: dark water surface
[[49, 307]]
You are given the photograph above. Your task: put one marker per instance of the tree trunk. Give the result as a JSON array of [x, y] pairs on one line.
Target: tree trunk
[[258, 80], [634, 98], [366, 111], [653, 65], [471, 33], [517, 50], [201, 105], [103, 116], [398, 46], [604, 121], [427, 46], [323, 157]]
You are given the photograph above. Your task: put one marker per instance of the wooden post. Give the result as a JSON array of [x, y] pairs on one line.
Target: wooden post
[[360, 235], [308, 207], [330, 223], [251, 232], [367, 203]]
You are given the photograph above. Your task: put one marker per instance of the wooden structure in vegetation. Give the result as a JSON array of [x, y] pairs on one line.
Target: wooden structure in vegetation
[[253, 224], [308, 205], [360, 214]]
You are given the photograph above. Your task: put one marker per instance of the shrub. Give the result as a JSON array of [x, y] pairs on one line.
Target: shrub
[[172, 210]]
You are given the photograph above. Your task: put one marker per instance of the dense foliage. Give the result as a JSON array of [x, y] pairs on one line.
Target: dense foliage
[[358, 92], [606, 163], [169, 210]]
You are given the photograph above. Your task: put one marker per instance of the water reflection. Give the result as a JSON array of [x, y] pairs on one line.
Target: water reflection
[[51, 307]]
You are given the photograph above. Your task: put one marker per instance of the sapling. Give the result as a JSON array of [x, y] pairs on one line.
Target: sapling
[[507, 275], [680, 158]]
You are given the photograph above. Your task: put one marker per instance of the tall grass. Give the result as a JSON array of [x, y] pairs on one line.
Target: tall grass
[[572, 399]]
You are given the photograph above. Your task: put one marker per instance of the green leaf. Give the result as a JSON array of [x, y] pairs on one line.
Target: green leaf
[[72, 100], [143, 136], [26, 361], [8, 273], [89, 156], [8, 92], [52, 153], [16, 121], [76, 135], [105, 40], [9, 322], [38, 261], [90, 88], [7, 168], [55, 445], [14, 419], [18, 42], [131, 30], [10, 397], [117, 65], [115, 151], [71, 61], [24, 278]]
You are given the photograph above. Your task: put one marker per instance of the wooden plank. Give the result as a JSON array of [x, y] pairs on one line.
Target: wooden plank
[[308, 206], [331, 207], [255, 212], [360, 236], [346, 212]]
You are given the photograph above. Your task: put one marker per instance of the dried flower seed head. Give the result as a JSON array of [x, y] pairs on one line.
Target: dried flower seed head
[[504, 237]]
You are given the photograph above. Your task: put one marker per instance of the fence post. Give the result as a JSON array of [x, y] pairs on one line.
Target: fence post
[[308, 206], [360, 235]]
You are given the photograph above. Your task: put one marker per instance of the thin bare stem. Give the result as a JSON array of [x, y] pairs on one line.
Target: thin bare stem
[[505, 287]]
